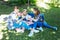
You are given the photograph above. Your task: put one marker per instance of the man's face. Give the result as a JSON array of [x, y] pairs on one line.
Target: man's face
[[25, 12]]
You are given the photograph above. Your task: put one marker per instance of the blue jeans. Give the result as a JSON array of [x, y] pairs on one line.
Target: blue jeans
[[40, 24], [37, 24], [21, 24], [25, 26], [17, 25], [14, 25], [45, 24]]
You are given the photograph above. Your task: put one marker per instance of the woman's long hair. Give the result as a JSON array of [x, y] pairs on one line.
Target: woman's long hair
[[37, 11]]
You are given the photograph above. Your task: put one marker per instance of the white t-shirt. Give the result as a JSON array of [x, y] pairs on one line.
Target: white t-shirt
[[13, 16]]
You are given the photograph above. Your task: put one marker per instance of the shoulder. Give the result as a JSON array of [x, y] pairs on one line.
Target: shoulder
[[31, 14], [12, 12]]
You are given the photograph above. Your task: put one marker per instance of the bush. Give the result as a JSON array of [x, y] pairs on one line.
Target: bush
[[21, 2]]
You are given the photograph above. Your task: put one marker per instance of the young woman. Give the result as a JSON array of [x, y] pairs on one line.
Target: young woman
[[41, 22], [12, 17]]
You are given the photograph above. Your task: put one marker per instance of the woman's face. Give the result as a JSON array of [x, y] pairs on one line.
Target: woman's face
[[16, 10], [34, 11]]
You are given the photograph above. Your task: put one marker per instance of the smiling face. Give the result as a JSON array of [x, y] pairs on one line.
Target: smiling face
[[36, 11], [32, 9], [24, 12], [16, 10]]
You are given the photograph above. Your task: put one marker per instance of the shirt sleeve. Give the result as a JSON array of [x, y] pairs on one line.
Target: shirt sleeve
[[41, 17], [31, 14]]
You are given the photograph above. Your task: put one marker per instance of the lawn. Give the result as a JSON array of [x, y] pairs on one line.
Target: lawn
[[52, 16]]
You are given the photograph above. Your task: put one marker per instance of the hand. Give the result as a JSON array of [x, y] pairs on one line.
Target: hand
[[17, 21]]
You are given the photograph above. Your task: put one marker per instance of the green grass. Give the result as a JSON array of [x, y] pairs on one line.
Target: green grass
[[52, 16]]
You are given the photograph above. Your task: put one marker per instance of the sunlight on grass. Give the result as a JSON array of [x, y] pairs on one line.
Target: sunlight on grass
[[26, 38], [59, 6], [10, 31], [54, 32], [6, 0], [2, 27], [42, 4], [14, 32], [1, 35], [5, 29], [17, 34], [5, 32], [7, 37]]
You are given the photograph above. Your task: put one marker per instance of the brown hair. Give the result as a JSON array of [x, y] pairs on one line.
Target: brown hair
[[37, 11], [16, 7]]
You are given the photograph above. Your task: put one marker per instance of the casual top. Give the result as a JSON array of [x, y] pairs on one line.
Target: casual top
[[28, 16], [31, 14], [13, 16], [28, 19], [41, 17]]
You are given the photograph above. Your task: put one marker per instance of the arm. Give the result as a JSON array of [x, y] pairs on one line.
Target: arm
[[20, 19], [41, 17], [34, 19]]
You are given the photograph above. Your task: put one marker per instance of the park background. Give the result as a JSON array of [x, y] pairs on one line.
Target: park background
[[51, 10]]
